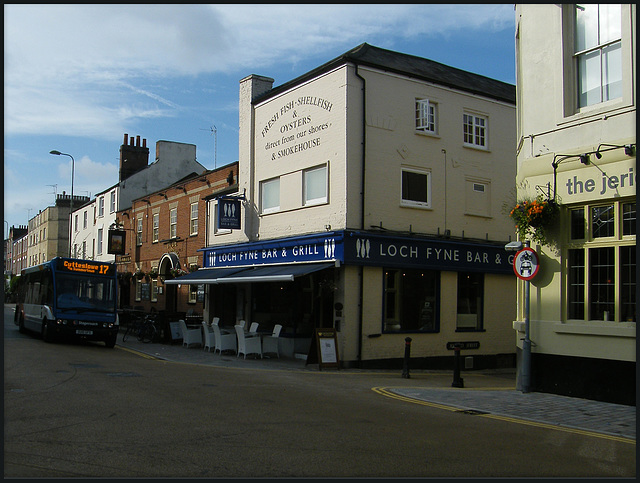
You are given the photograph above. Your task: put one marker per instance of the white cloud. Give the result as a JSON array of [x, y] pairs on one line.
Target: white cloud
[[75, 68]]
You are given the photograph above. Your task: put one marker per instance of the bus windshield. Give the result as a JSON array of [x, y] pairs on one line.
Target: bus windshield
[[85, 293]]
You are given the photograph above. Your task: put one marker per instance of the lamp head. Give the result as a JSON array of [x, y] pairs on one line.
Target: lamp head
[[58, 153], [513, 246]]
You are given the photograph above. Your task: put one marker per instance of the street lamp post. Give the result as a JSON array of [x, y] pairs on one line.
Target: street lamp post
[[73, 164]]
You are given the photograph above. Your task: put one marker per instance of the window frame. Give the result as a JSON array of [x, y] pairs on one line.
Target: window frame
[[318, 200], [139, 231], [462, 322], [99, 237], [401, 292], [410, 203], [267, 183], [426, 116], [155, 222], [475, 136], [600, 47], [173, 222], [598, 276], [193, 220]]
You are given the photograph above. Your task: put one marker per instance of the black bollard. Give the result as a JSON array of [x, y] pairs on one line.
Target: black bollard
[[457, 380], [407, 356]]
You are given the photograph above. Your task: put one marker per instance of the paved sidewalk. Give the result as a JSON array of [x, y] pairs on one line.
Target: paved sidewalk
[[486, 393], [547, 409]]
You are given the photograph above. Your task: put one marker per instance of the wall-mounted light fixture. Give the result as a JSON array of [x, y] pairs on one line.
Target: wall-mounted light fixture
[[629, 149]]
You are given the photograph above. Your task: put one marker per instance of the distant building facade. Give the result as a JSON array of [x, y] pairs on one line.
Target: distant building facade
[[92, 221], [165, 231], [576, 83], [48, 234]]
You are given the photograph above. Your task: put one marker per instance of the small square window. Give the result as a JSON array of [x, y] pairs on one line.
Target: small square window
[[416, 188], [475, 130], [315, 186], [270, 195]]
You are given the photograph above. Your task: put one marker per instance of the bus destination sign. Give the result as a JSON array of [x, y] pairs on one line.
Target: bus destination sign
[[84, 266]]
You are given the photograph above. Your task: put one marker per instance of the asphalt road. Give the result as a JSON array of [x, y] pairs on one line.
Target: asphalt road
[[82, 410]]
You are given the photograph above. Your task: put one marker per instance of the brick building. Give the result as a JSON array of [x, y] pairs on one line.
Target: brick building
[[164, 231]]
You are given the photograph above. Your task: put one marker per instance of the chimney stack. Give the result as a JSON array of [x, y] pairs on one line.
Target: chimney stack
[[133, 158]]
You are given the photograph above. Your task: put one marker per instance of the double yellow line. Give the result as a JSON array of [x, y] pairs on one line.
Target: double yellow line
[[385, 392]]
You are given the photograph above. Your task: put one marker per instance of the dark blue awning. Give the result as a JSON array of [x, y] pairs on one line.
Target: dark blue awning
[[204, 275], [271, 273]]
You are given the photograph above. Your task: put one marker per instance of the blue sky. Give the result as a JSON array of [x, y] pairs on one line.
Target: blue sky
[[78, 77]]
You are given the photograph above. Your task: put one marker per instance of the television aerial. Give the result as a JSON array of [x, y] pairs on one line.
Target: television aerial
[[214, 133]]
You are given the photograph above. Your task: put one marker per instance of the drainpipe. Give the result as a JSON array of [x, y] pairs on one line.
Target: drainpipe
[[362, 214]]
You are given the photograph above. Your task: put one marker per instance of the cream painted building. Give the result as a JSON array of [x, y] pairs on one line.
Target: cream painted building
[[371, 194], [48, 231], [576, 145]]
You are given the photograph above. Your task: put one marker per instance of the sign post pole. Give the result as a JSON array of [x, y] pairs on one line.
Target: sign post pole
[[525, 266], [526, 344]]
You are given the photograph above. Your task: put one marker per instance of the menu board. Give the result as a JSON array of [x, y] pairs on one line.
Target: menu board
[[327, 347]]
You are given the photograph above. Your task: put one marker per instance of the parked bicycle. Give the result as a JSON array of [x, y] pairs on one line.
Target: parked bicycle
[[144, 328]]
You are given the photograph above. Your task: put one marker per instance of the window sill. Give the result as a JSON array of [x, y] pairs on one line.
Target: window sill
[[598, 328], [419, 207], [428, 134], [476, 147]]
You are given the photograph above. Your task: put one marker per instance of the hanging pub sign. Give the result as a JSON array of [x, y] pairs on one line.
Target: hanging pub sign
[[116, 242], [228, 214]]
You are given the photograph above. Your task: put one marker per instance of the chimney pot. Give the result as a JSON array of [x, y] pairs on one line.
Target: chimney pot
[[144, 143], [138, 141], [126, 139]]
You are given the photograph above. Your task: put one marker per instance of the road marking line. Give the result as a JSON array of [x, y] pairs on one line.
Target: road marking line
[[138, 353], [384, 392]]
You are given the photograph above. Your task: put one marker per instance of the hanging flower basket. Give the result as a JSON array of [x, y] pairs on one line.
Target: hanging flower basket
[[534, 218], [139, 274], [177, 272], [153, 273]]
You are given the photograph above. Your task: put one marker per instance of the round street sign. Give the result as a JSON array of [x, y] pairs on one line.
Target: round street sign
[[525, 264]]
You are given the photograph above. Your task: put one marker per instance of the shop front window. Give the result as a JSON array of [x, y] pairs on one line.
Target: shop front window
[[601, 263], [411, 300], [470, 301]]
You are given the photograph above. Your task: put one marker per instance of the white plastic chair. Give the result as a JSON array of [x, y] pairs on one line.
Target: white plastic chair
[[254, 328], [248, 344], [224, 342], [216, 320], [209, 339], [270, 343], [190, 336]]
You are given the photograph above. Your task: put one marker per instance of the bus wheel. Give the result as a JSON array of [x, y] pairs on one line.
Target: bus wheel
[[111, 341], [46, 331]]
